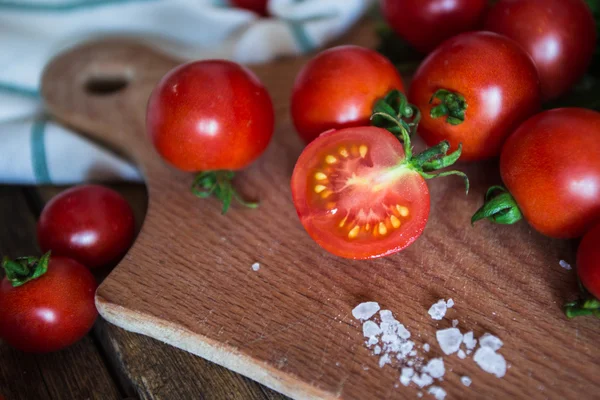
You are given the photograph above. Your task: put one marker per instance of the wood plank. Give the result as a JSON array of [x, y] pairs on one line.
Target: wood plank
[[77, 372], [187, 280], [150, 369]]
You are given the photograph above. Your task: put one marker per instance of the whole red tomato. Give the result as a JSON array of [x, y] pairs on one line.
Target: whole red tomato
[[551, 168], [210, 115], [560, 36], [338, 88], [588, 261], [91, 224], [48, 312], [475, 89], [427, 23], [258, 6]]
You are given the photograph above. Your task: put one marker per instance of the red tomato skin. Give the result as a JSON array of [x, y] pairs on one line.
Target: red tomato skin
[[51, 312], [498, 80], [588, 261], [338, 89], [91, 224], [427, 23], [560, 36], [257, 6], [416, 185], [210, 115], [550, 165]]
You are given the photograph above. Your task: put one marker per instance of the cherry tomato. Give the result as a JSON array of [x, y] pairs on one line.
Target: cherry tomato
[[51, 312], [427, 23], [588, 261], [560, 36], [338, 88], [91, 224], [210, 115], [354, 195], [475, 89], [257, 6], [551, 167]]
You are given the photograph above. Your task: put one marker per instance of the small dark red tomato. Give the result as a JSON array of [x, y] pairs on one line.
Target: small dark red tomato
[[257, 6], [494, 86], [210, 115], [338, 88], [427, 23], [91, 224], [588, 261], [355, 195], [51, 312], [551, 167], [560, 36]]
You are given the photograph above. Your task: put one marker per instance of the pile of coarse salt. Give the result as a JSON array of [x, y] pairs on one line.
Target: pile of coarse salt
[[390, 341]]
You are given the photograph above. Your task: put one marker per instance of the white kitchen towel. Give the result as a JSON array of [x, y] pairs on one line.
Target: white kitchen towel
[[36, 150]]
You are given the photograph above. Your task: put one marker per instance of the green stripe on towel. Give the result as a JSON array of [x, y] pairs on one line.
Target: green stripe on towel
[[299, 33], [38, 151], [61, 7], [18, 89]]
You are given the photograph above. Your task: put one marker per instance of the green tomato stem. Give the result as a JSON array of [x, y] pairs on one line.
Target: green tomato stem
[[452, 105], [219, 184], [499, 207], [25, 269]]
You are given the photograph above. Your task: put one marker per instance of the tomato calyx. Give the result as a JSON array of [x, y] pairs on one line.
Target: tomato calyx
[[452, 105], [426, 162], [24, 269], [219, 184], [499, 207], [585, 305], [396, 104]]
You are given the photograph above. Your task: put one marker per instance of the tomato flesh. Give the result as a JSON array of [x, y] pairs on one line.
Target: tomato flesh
[[588, 261], [551, 167], [353, 198]]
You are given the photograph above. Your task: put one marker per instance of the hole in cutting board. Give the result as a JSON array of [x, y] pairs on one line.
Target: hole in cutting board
[[102, 85]]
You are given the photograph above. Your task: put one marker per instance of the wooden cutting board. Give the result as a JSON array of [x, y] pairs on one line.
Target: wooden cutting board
[[188, 279]]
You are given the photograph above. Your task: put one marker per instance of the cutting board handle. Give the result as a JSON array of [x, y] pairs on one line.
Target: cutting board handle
[[102, 88]]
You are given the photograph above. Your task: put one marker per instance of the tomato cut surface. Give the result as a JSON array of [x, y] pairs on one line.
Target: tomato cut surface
[[355, 198]]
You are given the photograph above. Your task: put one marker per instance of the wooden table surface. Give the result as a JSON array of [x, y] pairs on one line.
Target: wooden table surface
[[109, 363]]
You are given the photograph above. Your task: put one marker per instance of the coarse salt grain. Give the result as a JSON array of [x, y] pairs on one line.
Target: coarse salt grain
[[422, 380], [454, 323], [461, 355], [565, 264], [419, 394], [449, 340], [255, 266], [377, 350], [490, 361], [450, 303], [406, 375], [466, 381], [426, 347], [385, 359], [438, 310], [469, 341], [366, 310], [370, 328], [437, 392], [490, 341], [386, 316], [435, 368]]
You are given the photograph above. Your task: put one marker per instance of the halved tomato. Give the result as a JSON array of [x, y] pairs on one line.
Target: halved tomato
[[356, 195]]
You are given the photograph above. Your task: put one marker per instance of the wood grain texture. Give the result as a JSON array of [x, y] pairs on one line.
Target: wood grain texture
[[77, 372], [188, 280], [149, 369]]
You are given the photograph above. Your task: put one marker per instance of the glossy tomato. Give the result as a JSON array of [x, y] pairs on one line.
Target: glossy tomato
[[210, 115], [588, 261], [427, 23], [550, 166], [91, 224], [50, 312], [257, 6], [355, 196], [475, 89], [338, 88], [560, 36]]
